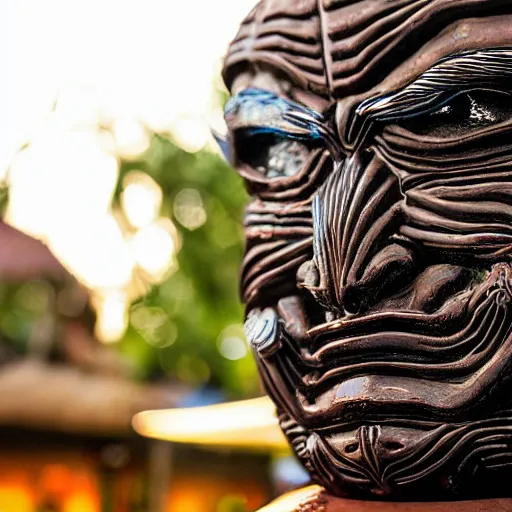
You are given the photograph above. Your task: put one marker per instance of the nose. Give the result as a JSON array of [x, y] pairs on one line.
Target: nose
[[359, 257], [373, 441]]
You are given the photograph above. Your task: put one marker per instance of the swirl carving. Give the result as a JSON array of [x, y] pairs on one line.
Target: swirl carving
[[375, 140]]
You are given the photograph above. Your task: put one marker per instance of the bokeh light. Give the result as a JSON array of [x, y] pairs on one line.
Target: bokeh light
[[231, 343], [141, 199], [130, 136], [189, 209], [154, 325], [112, 310], [154, 247]]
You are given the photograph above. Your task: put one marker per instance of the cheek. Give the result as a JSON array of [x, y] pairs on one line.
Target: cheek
[[279, 230], [456, 190]]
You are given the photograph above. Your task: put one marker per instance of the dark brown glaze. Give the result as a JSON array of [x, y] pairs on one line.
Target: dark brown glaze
[[377, 273]]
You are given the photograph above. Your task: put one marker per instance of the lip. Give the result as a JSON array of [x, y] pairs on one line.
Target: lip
[[431, 341], [364, 398], [481, 331]]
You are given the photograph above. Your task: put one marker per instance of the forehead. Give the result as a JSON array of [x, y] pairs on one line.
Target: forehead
[[341, 48]]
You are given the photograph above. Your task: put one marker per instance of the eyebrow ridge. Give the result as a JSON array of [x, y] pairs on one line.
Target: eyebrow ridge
[[483, 68]]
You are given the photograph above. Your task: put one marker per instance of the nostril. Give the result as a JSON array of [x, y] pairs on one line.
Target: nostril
[[393, 446], [352, 447]]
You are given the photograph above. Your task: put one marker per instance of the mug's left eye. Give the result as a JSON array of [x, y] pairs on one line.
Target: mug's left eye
[[270, 155]]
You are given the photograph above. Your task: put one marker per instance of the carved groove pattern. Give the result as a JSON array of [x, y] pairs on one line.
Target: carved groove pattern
[[357, 36], [377, 274]]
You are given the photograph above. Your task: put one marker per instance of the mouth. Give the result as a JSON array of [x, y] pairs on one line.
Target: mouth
[[398, 363]]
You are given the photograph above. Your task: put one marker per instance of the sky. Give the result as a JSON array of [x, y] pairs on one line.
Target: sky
[[151, 59]]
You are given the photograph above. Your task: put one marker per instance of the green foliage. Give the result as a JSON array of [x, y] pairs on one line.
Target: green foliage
[[179, 327], [4, 198], [189, 327], [23, 308]]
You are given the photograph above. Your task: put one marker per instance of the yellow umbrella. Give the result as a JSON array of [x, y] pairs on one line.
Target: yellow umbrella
[[249, 424]]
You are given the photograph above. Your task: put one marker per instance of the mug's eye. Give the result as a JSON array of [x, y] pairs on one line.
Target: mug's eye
[[458, 108], [270, 155], [464, 112]]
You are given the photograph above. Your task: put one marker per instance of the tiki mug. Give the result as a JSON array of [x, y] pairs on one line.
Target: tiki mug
[[375, 139]]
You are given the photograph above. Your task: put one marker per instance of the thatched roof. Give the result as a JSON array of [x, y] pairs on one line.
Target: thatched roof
[[23, 257], [61, 398]]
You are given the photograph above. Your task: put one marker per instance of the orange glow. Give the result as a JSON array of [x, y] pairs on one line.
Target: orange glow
[[190, 493], [68, 482], [184, 500], [81, 501], [84, 495], [56, 479], [16, 497]]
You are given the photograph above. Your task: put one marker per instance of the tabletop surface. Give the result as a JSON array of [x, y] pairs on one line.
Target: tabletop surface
[[315, 499]]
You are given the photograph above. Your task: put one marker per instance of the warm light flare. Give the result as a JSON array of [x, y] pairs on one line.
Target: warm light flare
[[131, 137], [93, 250], [59, 172], [154, 248], [112, 308], [141, 199], [250, 424], [296, 500], [191, 133]]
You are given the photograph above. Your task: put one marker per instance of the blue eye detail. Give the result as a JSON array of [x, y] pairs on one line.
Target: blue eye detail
[[255, 111], [273, 136]]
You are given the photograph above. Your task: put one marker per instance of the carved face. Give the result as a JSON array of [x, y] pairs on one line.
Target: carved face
[[375, 138]]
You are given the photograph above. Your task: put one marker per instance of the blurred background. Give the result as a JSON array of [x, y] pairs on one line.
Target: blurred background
[[120, 242]]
